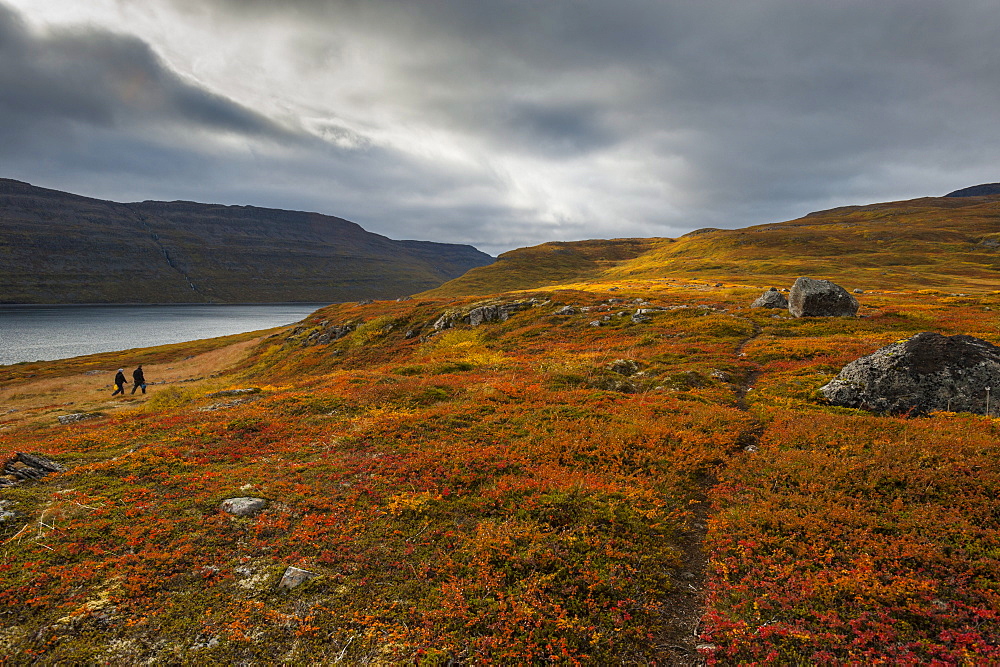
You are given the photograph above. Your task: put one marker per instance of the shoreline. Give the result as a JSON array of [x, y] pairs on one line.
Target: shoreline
[[51, 332]]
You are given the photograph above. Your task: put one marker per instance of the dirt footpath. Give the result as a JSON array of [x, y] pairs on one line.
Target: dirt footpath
[[43, 400]]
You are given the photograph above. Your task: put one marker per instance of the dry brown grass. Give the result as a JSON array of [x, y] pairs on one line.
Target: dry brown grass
[[36, 401]]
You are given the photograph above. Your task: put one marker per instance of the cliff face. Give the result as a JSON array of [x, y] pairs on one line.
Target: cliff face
[[57, 247]]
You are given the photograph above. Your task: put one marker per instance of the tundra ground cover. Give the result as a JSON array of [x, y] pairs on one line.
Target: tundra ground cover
[[531, 490]]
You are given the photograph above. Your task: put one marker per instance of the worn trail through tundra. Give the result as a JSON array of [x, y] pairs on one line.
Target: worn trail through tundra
[[689, 612]]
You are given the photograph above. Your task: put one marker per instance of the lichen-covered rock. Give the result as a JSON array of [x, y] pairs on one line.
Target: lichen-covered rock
[[76, 417], [295, 576], [500, 312], [323, 333], [243, 506], [234, 392], [624, 367], [772, 298], [820, 298], [924, 373], [7, 514], [446, 321], [482, 314], [24, 467]]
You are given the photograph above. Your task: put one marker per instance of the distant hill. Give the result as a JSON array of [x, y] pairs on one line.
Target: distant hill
[[984, 190], [57, 247], [547, 264], [933, 242]]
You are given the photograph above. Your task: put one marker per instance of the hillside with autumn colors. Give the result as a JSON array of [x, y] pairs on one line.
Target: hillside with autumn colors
[[625, 465], [932, 242]]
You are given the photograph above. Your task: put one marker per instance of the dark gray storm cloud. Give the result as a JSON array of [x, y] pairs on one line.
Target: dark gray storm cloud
[[103, 79], [513, 122]]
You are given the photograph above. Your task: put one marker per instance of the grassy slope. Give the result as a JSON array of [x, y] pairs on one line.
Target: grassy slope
[[547, 264], [506, 494], [923, 243]]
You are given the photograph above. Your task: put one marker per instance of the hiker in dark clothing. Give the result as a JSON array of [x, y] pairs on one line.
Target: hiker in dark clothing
[[120, 382], [138, 380]]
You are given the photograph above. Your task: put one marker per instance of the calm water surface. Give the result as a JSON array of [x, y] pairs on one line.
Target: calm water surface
[[33, 333]]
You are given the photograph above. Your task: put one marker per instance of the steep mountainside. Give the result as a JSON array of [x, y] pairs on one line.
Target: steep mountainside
[[933, 242], [62, 248]]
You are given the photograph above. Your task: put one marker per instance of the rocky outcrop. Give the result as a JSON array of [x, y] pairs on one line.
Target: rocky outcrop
[[626, 367], [24, 467], [77, 417], [772, 298], [243, 391], [482, 314], [495, 313], [922, 374], [323, 334], [820, 298]]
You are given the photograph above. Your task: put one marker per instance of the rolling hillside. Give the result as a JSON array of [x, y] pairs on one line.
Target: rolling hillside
[[631, 470], [62, 248], [934, 243]]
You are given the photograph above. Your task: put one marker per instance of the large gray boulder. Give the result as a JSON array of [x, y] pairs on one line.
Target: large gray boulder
[[772, 298], [820, 298], [243, 506], [924, 373]]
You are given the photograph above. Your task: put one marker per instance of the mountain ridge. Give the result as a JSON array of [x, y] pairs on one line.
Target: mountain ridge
[[59, 247]]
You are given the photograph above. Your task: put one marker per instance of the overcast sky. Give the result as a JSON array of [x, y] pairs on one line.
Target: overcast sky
[[504, 123]]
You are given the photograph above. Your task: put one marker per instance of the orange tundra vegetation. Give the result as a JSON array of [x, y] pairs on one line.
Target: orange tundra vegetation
[[538, 489]]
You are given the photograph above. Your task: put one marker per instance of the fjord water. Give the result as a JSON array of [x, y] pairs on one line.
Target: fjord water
[[45, 333]]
